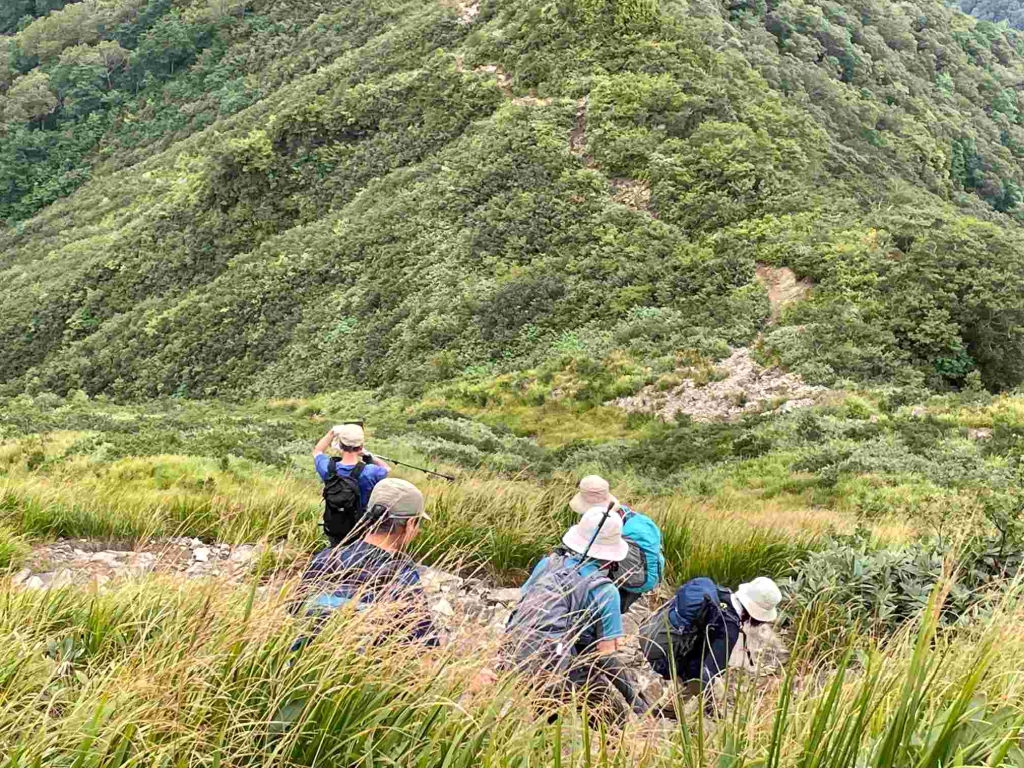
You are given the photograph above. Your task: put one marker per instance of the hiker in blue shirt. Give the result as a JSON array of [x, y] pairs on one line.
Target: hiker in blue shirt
[[640, 572], [343, 510], [570, 593]]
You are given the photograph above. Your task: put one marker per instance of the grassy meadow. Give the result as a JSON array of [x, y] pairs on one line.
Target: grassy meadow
[[901, 592]]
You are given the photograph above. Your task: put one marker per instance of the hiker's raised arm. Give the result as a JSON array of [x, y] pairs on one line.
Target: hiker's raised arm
[[381, 463], [324, 444]]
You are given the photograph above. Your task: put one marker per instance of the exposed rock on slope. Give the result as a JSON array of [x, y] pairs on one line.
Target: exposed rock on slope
[[747, 386]]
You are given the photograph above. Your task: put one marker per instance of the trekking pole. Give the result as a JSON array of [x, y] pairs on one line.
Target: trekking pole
[[411, 466], [600, 525]]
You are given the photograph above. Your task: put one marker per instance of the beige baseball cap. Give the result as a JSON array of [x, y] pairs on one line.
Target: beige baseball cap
[[401, 498], [594, 491], [348, 434]]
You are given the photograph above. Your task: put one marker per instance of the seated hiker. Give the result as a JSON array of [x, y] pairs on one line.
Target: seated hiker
[[641, 570], [566, 595], [348, 479], [375, 568], [692, 636]]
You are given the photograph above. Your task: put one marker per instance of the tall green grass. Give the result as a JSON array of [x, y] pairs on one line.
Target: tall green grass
[[500, 526], [13, 548], [155, 674]]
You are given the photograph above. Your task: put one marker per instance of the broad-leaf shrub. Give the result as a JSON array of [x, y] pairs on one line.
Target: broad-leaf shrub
[[861, 585]]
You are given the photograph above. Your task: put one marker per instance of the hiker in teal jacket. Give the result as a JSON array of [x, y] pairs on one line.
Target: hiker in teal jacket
[[642, 569]]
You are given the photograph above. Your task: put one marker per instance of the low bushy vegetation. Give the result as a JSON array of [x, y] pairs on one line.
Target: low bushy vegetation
[[862, 589]]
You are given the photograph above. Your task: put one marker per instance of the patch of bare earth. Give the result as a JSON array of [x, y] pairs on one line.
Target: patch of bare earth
[[632, 193], [504, 80], [783, 287], [746, 387], [743, 385]]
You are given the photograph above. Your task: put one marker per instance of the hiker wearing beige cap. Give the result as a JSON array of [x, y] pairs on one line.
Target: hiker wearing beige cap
[[348, 479], [569, 594], [640, 572], [376, 567], [693, 635]]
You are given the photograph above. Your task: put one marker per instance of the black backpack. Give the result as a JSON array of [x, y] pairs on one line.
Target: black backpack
[[698, 612], [342, 501]]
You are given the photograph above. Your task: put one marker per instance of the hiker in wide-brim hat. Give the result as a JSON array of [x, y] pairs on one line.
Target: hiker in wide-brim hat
[[691, 638], [570, 593], [641, 570]]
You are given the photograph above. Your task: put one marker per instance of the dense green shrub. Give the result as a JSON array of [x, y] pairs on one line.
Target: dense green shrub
[[876, 588]]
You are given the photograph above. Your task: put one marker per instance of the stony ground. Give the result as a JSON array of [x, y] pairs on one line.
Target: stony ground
[[471, 610], [746, 386]]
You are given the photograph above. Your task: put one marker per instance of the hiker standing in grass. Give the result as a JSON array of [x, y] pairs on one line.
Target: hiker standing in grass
[[349, 479], [569, 594], [375, 567], [693, 635], [641, 570]]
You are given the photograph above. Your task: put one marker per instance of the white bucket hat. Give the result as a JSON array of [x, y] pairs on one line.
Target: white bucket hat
[[594, 491], [608, 543], [760, 597]]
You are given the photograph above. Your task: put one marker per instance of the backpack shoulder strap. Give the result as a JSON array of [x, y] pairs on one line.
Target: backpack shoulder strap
[[332, 467], [357, 470]]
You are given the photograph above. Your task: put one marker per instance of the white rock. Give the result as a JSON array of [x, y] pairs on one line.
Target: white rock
[[510, 595], [63, 578], [444, 608], [243, 554], [35, 583], [141, 562], [112, 559], [195, 543], [20, 576], [202, 554]]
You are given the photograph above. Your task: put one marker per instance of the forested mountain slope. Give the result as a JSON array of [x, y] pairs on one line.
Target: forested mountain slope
[[382, 192], [1010, 11]]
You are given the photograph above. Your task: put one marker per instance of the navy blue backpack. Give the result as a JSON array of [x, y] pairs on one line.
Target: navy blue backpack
[[695, 611]]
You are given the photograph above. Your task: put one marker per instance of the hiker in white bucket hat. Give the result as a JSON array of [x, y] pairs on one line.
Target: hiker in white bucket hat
[[641, 570], [571, 593], [692, 637], [604, 543]]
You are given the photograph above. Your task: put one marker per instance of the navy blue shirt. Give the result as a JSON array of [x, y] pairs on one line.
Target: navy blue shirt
[[370, 574]]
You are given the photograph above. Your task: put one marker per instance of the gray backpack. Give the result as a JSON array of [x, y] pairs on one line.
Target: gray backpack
[[542, 632]]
